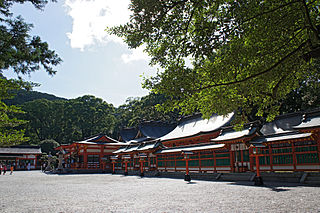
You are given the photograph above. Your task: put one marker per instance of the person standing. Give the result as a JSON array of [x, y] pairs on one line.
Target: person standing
[[29, 166], [11, 169], [4, 169], [1, 168]]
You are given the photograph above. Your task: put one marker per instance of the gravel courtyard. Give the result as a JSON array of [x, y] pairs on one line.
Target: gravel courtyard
[[37, 192]]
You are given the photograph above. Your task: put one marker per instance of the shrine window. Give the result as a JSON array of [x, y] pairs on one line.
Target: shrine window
[[93, 158]]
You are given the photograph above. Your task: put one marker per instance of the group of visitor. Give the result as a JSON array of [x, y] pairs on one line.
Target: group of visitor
[[4, 167]]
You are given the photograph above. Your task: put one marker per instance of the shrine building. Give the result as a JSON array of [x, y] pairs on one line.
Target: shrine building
[[289, 143], [21, 156]]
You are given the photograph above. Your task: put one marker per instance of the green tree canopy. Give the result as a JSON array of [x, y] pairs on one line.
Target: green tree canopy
[[10, 131], [68, 120], [91, 115], [244, 54], [48, 146], [138, 110], [21, 53]]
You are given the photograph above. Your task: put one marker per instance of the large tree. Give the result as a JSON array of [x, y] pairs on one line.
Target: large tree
[[221, 55], [68, 120], [21, 53], [138, 110], [10, 133]]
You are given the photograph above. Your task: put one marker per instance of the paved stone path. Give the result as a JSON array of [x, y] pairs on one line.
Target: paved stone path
[[37, 192]]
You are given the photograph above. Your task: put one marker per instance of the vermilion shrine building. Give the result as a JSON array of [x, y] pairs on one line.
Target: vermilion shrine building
[[91, 154], [21, 156], [290, 143]]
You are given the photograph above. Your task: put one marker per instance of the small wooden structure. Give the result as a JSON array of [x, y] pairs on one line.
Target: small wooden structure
[[21, 156], [91, 154]]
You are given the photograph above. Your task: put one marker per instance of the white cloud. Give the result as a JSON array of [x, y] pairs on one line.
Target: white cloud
[[135, 55], [90, 19]]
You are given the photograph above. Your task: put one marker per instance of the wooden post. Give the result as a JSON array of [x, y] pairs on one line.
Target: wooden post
[[165, 163], [241, 154], [271, 158], [186, 155], [149, 162], [157, 162], [126, 167], [175, 163], [232, 159], [294, 158], [141, 166], [199, 162], [142, 157], [35, 162], [257, 166], [258, 179], [85, 157], [101, 156], [187, 166], [316, 136], [251, 160], [113, 161], [214, 162]]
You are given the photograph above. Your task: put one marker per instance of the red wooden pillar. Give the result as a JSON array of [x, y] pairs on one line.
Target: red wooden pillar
[[187, 157], [231, 159], [251, 159], [126, 159], [101, 156], [187, 166], [175, 163], [241, 168], [35, 162], [214, 162], [258, 179], [142, 160], [149, 162], [271, 158], [199, 161], [257, 166], [141, 166], [294, 157], [85, 157], [157, 161], [317, 139], [113, 161], [165, 162]]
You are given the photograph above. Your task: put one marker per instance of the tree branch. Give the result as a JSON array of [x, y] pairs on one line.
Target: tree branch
[[313, 29], [269, 11], [260, 73]]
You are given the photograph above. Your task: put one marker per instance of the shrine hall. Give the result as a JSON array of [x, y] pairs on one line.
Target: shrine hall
[[195, 145]]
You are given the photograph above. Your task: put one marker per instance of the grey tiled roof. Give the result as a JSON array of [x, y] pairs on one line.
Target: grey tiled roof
[[280, 137], [20, 150], [198, 125], [309, 123], [190, 148], [282, 124], [232, 134]]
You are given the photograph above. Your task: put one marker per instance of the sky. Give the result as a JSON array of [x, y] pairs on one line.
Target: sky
[[94, 63]]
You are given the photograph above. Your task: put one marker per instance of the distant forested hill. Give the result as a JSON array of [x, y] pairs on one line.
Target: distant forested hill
[[24, 96]]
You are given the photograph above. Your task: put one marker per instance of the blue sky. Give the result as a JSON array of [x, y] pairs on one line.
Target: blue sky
[[94, 63]]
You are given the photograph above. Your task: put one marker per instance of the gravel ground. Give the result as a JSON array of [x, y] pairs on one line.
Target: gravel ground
[[34, 191]]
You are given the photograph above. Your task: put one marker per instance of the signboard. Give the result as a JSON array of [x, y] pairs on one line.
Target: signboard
[[237, 147]]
